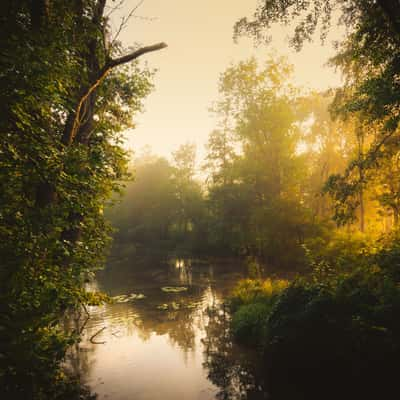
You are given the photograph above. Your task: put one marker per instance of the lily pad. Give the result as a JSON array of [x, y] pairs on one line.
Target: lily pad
[[125, 298], [174, 289], [137, 296], [175, 306], [169, 307]]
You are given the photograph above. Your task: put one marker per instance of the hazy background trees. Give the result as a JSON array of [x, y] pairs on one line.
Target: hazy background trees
[[275, 178]]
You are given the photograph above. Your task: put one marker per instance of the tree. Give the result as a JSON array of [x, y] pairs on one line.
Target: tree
[[387, 188], [187, 190], [369, 58], [68, 92], [262, 199], [327, 145], [163, 208], [225, 207], [146, 213], [220, 157]]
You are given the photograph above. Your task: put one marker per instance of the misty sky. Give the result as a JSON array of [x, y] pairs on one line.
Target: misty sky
[[199, 36]]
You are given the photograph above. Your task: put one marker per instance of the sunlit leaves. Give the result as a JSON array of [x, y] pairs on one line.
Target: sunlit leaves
[[49, 249]]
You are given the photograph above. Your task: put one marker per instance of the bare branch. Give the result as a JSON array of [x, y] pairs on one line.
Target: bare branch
[[73, 126], [115, 8], [124, 22], [97, 333], [136, 54]]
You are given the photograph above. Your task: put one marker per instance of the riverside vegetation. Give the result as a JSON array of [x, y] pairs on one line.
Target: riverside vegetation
[[68, 90], [300, 183], [334, 333]]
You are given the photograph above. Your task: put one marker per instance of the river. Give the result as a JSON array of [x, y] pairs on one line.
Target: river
[[154, 344]]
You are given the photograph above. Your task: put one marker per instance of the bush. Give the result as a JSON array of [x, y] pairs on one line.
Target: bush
[[334, 334], [249, 323], [342, 334], [251, 303], [249, 291]]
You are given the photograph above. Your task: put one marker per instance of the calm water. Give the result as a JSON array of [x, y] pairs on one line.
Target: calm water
[[166, 345]]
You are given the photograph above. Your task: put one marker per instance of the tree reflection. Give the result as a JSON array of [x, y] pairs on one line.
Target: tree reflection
[[235, 371], [183, 323], [182, 326]]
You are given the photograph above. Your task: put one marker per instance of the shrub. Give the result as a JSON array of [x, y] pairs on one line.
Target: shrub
[[251, 303], [249, 291], [343, 334], [249, 323], [338, 328]]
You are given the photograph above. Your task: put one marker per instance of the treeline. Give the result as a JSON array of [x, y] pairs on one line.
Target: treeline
[[163, 207], [272, 180]]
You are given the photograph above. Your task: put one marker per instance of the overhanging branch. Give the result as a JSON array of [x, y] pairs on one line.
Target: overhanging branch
[[71, 129], [136, 54]]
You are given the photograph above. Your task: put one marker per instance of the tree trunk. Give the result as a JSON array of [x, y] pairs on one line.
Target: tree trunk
[[362, 211], [395, 217], [360, 140]]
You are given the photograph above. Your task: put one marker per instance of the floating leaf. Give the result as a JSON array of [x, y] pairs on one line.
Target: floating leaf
[[175, 306], [174, 289], [125, 298]]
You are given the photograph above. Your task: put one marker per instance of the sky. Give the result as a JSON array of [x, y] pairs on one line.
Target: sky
[[200, 47]]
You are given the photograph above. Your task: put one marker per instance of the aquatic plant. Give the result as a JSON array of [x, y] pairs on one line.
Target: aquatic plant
[[174, 289], [125, 298]]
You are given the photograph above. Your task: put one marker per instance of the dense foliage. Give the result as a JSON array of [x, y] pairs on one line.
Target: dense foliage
[[337, 325], [67, 93], [334, 333], [267, 183], [368, 56], [162, 209]]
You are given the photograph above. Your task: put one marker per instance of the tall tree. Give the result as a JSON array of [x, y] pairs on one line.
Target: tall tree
[[328, 145], [263, 199], [68, 92], [186, 188], [369, 57]]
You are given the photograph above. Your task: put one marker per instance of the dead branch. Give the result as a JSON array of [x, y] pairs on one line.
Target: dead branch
[[72, 129], [136, 54], [114, 8], [97, 333], [86, 319], [124, 22]]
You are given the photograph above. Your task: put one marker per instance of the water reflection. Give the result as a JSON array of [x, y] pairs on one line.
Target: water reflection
[[152, 352], [235, 371], [184, 268]]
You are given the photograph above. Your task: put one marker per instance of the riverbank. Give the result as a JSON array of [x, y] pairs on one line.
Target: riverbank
[[337, 328]]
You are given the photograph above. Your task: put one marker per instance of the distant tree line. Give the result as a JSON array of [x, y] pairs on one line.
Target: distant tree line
[[276, 177]]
